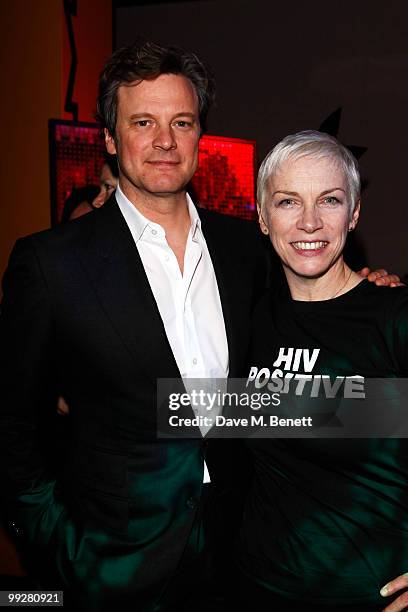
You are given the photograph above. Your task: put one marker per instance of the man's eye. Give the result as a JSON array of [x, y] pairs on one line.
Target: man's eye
[[142, 122], [181, 123]]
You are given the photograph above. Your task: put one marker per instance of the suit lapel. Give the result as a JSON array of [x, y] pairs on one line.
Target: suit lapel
[[114, 267]]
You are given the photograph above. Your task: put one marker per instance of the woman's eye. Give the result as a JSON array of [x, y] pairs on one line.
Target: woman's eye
[[286, 203], [331, 200]]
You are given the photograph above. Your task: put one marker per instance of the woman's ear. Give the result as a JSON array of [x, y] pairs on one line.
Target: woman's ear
[[262, 224], [355, 216]]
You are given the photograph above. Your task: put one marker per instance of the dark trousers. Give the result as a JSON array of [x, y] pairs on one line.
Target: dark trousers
[[192, 587]]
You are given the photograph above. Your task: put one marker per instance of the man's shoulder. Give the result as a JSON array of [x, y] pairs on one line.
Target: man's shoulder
[[392, 301], [383, 296], [229, 226], [211, 216], [64, 231], [70, 234]]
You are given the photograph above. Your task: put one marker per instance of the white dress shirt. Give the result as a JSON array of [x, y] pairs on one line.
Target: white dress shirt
[[189, 303]]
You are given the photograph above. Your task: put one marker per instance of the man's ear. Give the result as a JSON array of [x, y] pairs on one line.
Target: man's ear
[[355, 216], [109, 142], [262, 224]]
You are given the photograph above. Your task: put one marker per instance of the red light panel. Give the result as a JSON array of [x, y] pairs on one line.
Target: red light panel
[[76, 155], [224, 181], [225, 178]]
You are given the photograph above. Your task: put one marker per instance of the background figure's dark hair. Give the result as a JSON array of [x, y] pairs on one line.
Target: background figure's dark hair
[[147, 61], [76, 197], [112, 162]]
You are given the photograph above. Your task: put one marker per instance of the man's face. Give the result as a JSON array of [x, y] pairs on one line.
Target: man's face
[[157, 134]]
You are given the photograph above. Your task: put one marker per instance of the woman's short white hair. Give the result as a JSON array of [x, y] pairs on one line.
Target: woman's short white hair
[[310, 143]]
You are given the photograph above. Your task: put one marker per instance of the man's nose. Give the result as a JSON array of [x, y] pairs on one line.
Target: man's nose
[[164, 138], [310, 219], [100, 199]]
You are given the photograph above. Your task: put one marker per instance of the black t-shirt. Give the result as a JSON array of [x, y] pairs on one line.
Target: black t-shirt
[[327, 520]]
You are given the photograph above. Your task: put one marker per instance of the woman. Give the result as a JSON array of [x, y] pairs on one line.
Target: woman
[[326, 522]]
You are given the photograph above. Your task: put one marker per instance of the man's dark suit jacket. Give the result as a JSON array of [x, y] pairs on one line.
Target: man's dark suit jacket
[[78, 315]]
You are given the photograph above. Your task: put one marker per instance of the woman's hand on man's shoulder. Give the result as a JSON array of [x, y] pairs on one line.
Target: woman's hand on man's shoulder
[[381, 277]]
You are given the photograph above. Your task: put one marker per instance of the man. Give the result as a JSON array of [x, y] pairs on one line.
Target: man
[[99, 309]]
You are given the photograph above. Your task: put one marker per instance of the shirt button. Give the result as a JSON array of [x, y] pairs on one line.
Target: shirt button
[[191, 503], [195, 361], [154, 232]]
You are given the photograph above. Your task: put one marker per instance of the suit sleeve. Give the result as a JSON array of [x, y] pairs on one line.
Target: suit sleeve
[[26, 357]]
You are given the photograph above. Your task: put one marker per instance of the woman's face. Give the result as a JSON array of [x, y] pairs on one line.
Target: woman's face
[[307, 215]]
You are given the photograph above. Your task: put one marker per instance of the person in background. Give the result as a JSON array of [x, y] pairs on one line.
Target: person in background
[[326, 520], [83, 200], [108, 180], [79, 202]]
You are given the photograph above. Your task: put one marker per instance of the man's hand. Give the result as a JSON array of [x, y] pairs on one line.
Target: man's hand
[[401, 603], [381, 277]]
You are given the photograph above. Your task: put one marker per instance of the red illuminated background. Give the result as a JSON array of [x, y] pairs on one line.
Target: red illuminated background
[[224, 181]]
